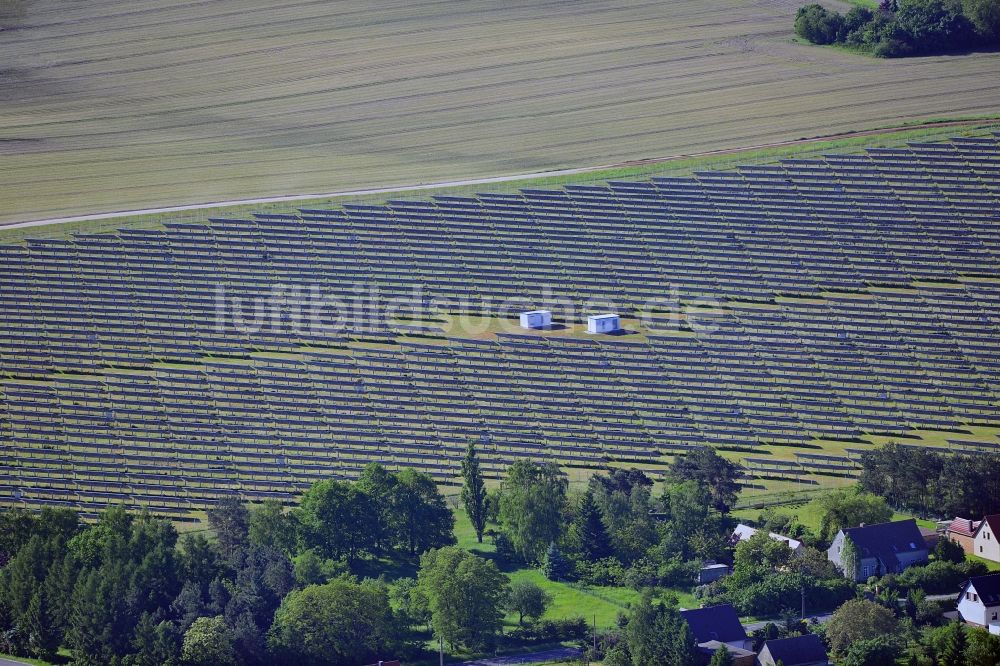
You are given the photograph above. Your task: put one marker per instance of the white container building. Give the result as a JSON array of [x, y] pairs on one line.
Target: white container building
[[536, 319], [603, 323]]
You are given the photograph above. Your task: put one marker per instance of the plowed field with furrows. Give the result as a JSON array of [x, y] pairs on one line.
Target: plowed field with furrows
[[119, 105]]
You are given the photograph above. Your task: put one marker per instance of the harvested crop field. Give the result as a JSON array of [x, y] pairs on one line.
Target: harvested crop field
[[112, 105]]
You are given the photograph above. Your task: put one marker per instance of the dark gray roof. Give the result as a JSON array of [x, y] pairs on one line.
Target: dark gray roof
[[805, 649], [715, 623], [709, 648], [887, 540], [987, 587]]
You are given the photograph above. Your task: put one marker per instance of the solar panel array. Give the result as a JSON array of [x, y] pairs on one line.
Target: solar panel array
[[859, 294]]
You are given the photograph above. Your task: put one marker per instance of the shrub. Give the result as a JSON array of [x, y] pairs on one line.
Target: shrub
[[818, 25], [676, 572], [854, 22], [892, 48], [607, 571], [708, 590], [939, 577], [770, 596], [878, 651], [642, 573], [563, 629], [931, 26], [566, 629]]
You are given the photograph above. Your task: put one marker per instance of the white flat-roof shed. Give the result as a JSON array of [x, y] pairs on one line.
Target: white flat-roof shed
[[536, 319], [603, 323]]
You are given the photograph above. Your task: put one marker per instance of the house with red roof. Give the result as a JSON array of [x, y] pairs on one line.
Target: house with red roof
[[984, 541], [963, 532]]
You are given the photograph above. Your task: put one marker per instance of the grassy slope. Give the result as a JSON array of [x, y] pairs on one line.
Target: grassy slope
[[123, 105], [26, 660]]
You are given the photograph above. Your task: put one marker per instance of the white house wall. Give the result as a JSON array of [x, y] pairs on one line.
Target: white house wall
[[986, 544]]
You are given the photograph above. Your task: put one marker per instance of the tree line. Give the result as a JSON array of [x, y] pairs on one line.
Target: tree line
[[926, 482], [307, 585], [272, 587], [900, 28], [615, 532], [303, 585]]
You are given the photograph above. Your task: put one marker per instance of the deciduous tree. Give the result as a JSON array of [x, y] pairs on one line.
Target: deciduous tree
[[720, 476], [858, 620], [983, 648], [269, 525], [337, 518], [527, 599], [531, 503], [209, 642], [420, 517], [340, 623], [850, 507], [465, 595]]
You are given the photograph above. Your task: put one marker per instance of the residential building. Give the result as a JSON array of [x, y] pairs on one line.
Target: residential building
[[744, 532], [979, 602], [739, 656], [717, 623], [805, 650], [881, 549], [984, 541], [963, 532]]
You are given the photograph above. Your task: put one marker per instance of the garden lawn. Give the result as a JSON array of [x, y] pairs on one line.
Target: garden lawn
[[992, 566], [590, 602]]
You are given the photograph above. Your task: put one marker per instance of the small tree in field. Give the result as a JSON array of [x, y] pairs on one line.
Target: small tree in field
[[527, 600], [555, 566]]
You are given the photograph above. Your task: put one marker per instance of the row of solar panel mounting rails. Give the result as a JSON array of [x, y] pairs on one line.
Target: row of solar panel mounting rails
[[860, 252], [802, 413], [637, 258], [58, 304], [806, 360]]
